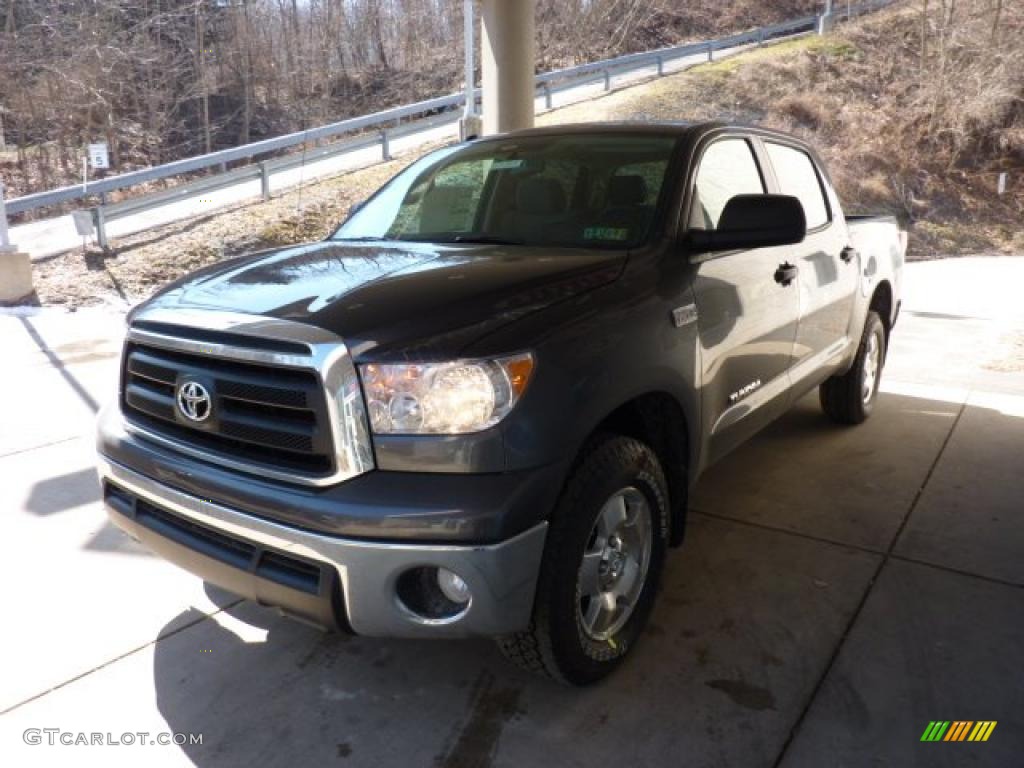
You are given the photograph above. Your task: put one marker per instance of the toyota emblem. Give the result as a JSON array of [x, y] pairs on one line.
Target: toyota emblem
[[194, 401]]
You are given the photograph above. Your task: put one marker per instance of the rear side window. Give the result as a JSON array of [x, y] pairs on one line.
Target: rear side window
[[798, 177], [727, 169]]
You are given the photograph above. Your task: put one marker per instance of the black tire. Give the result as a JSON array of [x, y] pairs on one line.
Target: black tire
[[843, 398], [556, 643]]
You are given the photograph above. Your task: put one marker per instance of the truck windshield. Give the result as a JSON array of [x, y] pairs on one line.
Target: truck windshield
[[571, 190]]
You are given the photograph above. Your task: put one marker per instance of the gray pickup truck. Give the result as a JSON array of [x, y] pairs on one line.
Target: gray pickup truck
[[479, 406]]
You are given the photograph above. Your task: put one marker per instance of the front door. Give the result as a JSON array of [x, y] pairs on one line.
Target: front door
[[747, 309]]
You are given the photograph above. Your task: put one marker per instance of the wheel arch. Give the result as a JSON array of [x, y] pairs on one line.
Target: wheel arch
[[882, 303], [657, 419]]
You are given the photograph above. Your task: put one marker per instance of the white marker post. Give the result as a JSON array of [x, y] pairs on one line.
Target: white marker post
[[1001, 184], [826, 21]]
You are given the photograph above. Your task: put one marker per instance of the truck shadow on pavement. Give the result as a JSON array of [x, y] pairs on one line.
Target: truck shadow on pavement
[[780, 551], [263, 689], [63, 492]]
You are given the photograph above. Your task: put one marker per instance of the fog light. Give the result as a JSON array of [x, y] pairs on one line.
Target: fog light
[[452, 585], [433, 594]]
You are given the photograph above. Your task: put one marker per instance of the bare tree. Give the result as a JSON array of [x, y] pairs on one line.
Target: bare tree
[[163, 79]]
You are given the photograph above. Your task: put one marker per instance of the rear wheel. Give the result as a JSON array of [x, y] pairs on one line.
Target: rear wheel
[[850, 398], [602, 560]]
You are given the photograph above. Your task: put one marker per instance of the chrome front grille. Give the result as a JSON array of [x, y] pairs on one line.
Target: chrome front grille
[[280, 407], [263, 414]]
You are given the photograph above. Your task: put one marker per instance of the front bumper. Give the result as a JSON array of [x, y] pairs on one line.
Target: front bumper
[[333, 582], [463, 508]]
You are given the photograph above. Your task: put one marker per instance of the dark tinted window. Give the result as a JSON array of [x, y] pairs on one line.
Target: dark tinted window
[[584, 190]]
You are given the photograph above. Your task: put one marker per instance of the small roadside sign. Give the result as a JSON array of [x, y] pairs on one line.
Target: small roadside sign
[[99, 157], [83, 222]]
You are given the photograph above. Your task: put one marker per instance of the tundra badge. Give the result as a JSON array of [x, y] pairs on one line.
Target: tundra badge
[[684, 315], [743, 391]]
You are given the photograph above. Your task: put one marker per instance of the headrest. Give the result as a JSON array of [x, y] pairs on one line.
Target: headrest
[[540, 196], [627, 190]]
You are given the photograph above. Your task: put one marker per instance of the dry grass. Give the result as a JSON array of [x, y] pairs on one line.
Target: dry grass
[[898, 135], [139, 264]]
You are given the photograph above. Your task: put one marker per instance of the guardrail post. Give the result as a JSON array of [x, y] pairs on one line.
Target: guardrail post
[[661, 66], [5, 238], [607, 79], [547, 94], [100, 221], [264, 180], [385, 146]]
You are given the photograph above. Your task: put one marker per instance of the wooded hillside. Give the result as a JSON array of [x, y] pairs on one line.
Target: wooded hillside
[[163, 79]]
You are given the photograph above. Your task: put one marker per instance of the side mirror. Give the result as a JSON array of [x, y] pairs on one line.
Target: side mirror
[[753, 221]]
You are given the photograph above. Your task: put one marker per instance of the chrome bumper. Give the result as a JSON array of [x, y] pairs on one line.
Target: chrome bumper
[[502, 577]]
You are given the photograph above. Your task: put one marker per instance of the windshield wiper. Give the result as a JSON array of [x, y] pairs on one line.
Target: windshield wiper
[[482, 239], [357, 239]]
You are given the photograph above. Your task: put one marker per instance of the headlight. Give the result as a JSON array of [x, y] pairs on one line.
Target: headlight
[[443, 398]]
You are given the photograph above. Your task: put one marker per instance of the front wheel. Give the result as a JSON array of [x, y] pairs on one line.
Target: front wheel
[[603, 557], [850, 398]]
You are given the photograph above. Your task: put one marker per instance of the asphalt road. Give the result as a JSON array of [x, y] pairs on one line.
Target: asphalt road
[[839, 589]]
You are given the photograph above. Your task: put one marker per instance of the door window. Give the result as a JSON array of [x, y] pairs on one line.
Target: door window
[[727, 169], [797, 176]]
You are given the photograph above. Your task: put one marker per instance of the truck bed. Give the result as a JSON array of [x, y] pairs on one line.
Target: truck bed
[[878, 235]]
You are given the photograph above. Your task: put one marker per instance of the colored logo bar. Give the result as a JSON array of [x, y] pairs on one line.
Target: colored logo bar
[[958, 730]]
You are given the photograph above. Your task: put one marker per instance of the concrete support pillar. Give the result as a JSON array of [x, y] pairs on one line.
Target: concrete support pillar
[[508, 59], [15, 267], [15, 276], [470, 125]]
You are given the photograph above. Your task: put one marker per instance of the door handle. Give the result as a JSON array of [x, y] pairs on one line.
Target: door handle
[[848, 253], [786, 273]]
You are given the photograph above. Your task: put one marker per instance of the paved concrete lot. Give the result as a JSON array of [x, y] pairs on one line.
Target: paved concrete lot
[[839, 589]]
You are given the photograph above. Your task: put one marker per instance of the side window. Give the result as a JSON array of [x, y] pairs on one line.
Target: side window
[[727, 169], [798, 177]]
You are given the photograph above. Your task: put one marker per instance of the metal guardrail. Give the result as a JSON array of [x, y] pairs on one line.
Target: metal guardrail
[[385, 123], [102, 214], [224, 156]]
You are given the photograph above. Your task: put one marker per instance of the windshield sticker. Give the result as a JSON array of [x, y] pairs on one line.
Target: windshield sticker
[[506, 165], [605, 233]]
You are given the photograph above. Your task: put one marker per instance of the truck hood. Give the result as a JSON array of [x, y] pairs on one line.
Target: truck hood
[[396, 299]]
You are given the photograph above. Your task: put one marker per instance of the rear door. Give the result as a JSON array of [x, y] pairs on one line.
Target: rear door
[[828, 271], [746, 318]]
